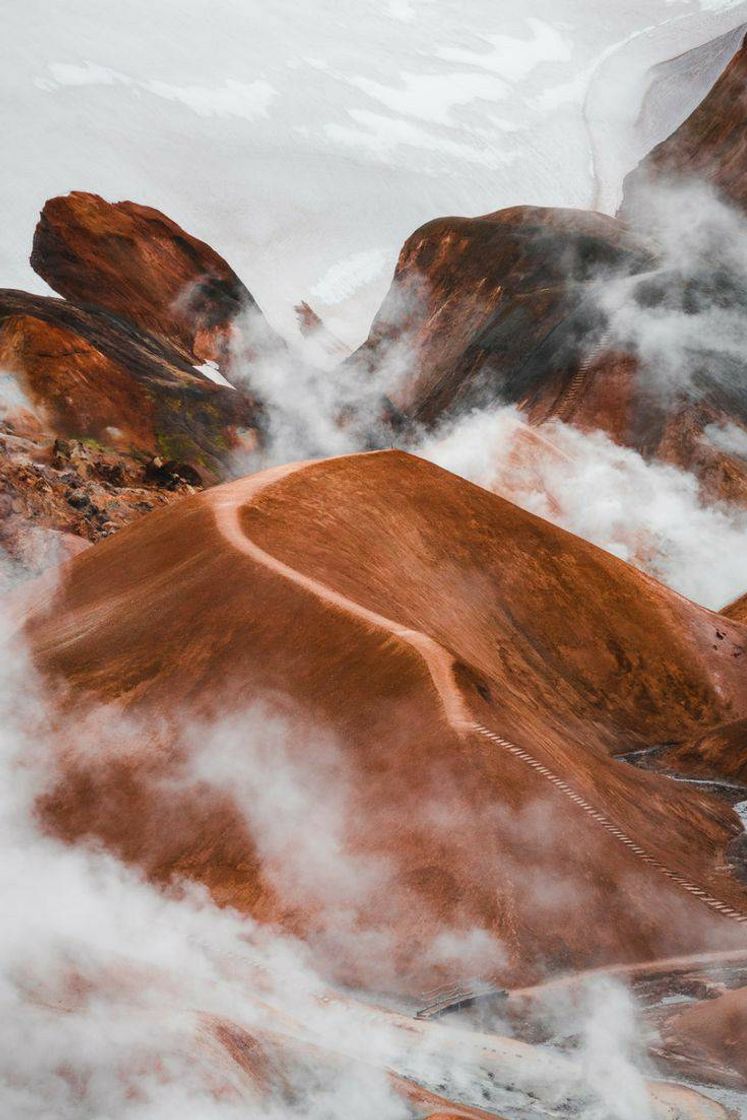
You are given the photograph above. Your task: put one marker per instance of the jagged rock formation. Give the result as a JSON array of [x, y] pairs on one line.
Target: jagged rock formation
[[386, 606], [711, 144], [496, 307], [135, 262], [94, 376], [710, 1036], [513, 307], [557, 311], [58, 496], [103, 413]]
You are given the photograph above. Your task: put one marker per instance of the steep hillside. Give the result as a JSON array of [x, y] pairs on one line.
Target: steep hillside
[[134, 261], [711, 144], [440, 677]]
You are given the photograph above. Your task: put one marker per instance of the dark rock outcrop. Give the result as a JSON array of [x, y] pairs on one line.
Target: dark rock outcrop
[[522, 307], [497, 307], [135, 262], [96, 376], [99, 424], [381, 604], [710, 145]]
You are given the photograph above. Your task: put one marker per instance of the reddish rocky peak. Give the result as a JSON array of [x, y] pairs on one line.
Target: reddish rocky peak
[[135, 262], [474, 299], [473, 665], [711, 144], [99, 423], [558, 311], [553, 310], [93, 376]]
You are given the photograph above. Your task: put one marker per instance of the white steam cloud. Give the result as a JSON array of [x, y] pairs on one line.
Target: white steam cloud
[[650, 514], [686, 319], [123, 1001]]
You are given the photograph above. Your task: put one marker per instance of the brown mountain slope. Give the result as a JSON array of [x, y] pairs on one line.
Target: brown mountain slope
[[134, 261], [99, 423], [95, 376], [737, 610], [711, 144], [484, 304], [520, 307], [472, 664], [718, 753]]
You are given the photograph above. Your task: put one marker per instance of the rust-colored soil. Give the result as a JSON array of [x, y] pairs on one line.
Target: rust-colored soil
[[713, 1032], [134, 261], [711, 144], [385, 602]]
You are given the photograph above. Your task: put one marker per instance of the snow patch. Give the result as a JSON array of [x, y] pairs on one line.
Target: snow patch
[[513, 57], [741, 810], [346, 277], [210, 369], [248, 100]]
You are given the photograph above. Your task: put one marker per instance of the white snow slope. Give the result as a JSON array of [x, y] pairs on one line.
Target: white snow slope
[[305, 141]]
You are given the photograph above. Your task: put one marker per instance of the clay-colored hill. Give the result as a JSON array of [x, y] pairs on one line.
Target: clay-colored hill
[[509, 307], [711, 1037], [711, 144], [449, 674], [737, 610], [134, 261]]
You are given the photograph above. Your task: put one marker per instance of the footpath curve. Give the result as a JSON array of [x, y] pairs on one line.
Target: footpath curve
[[227, 503]]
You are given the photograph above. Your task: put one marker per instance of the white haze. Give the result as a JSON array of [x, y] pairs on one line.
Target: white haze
[[647, 513], [304, 148], [110, 989], [699, 320]]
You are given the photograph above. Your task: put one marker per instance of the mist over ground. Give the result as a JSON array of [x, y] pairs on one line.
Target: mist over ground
[[305, 142]]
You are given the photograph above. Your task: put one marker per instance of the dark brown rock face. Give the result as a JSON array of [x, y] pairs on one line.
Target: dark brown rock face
[[99, 423], [135, 262], [496, 307], [523, 307], [710, 145], [95, 376]]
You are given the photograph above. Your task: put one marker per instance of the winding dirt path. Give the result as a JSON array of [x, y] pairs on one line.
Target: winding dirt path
[[227, 503], [566, 403]]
